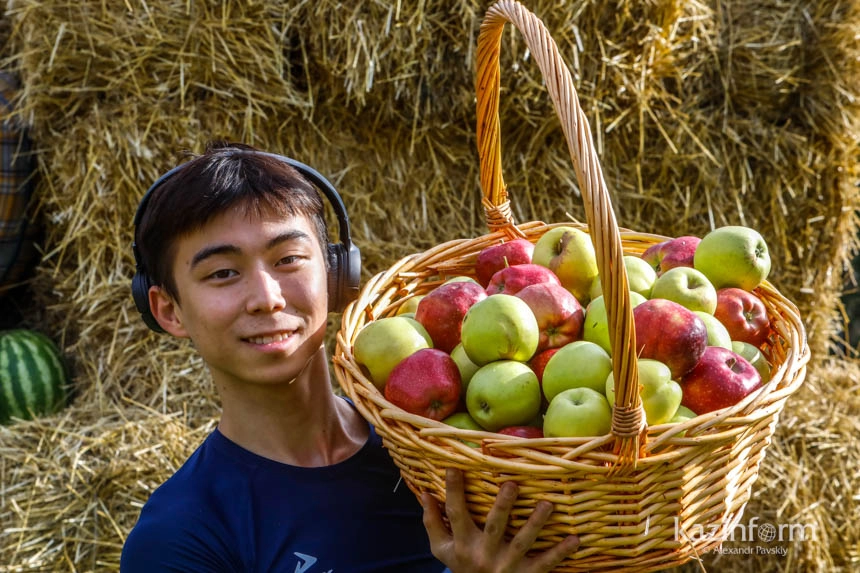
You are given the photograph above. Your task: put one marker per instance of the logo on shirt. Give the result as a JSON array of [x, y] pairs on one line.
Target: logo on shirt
[[306, 562]]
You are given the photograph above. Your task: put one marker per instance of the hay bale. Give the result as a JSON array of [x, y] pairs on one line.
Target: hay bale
[[704, 114]]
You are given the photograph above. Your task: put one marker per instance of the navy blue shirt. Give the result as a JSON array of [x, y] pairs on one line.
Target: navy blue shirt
[[227, 509]]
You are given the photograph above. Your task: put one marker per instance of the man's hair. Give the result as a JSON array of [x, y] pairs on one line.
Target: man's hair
[[226, 176]]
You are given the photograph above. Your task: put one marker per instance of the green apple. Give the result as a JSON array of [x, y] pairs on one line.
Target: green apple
[[501, 326], [383, 343], [717, 333], [410, 306], [733, 256], [576, 364], [464, 364], [464, 421], [754, 356], [503, 393], [660, 395], [569, 253], [688, 287], [460, 279], [682, 415], [577, 413], [640, 277], [596, 328]]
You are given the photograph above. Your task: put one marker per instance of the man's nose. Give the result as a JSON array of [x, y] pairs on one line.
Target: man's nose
[[265, 293]]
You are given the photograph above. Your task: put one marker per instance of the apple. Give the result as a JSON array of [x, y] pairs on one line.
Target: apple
[[720, 379], [670, 333], [640, 278], [511, 280], [425, 383], [410, 306], [733, 256], [503, 393], [595, 327], [575, 365], [682, 414], [688, 287], [754, 356], [569, 253], [464, 421], [743, 314], [466, 367], [671, 253], [660, 395], [383, 343], [576, 413], [522, 431], [501, 326], [461, 279], [559, 315], [539, 361], [441, 311], [496, 257], [717, 333]]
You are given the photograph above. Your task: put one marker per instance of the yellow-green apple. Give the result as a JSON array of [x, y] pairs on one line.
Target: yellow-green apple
[[559, 314], [503, 393], [459, 279], [754, 356], [671, 253], [381, 344], [425, 383], [441, 311], [733, 256], [569, 253], [688, 287], [577, 413], [595, 327], [682, 414], [720, 379], [410, 306], [511, 280], [660, 395], [575, 365], [464, 421], [466, 367], [640, 278], [743, 314], [717, 333], [499, 327], [496, 257], [670, 333]]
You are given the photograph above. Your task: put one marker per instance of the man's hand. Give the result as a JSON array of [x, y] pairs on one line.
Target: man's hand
[[468, 549]]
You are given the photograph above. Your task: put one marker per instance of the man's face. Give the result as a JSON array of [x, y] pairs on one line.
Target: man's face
[[253, 292]]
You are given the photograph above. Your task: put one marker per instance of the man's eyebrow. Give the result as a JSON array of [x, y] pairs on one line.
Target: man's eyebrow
[[227, 249]]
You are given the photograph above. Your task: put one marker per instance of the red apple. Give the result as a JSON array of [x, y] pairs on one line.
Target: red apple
[[743, 314], [522, 431], [558, 313], [670, 333], [425, 383], [671, 253], [442, 310], [511, 280], [497, 257], [720, 379], [539, 360]]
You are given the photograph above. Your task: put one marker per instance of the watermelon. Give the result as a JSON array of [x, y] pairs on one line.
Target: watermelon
[[33, 376]]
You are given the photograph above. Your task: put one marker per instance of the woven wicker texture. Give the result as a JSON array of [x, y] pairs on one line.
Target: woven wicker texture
[[640, 497]]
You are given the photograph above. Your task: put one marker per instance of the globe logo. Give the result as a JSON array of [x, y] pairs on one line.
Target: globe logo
[[766, 532]]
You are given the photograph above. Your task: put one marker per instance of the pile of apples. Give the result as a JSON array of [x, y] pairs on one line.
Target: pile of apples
[[523, 347]]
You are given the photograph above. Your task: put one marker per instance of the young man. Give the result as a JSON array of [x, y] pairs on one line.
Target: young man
[[234, 246]]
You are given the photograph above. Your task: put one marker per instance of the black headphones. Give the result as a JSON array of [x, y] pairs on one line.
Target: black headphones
[[344, 273]]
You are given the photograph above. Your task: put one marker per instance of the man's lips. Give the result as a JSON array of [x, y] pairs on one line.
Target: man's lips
[[269, 338]]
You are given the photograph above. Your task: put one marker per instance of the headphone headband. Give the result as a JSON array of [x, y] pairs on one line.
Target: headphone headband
[[343, 257]]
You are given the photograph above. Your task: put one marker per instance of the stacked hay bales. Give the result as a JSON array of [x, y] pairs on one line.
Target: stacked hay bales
[[705, 114]]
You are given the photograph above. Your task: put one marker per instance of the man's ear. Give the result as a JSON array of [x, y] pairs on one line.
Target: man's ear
[[166, 311]]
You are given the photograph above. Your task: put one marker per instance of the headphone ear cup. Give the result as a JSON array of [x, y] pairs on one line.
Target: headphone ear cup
[[140, 292], [335, 256], [344, 275]]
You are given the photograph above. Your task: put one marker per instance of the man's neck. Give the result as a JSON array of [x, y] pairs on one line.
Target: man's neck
[[301, 423]]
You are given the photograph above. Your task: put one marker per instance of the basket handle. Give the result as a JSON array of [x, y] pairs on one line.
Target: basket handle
[[628, 419]]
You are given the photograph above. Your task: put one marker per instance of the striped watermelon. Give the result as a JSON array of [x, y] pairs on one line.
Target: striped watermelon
[[33, 378]]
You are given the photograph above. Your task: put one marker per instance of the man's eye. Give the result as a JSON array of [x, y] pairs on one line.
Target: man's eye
[[289, 260], [222, 274]]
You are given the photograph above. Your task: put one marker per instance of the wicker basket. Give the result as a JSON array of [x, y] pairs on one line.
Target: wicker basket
[[640, 498]]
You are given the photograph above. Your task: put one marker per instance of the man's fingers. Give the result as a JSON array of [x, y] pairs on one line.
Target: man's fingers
[[497, 519], [461, 521], [547, 560], [436, 530]]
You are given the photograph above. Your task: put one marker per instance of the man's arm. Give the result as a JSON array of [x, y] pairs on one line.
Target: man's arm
[[468, 549]]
